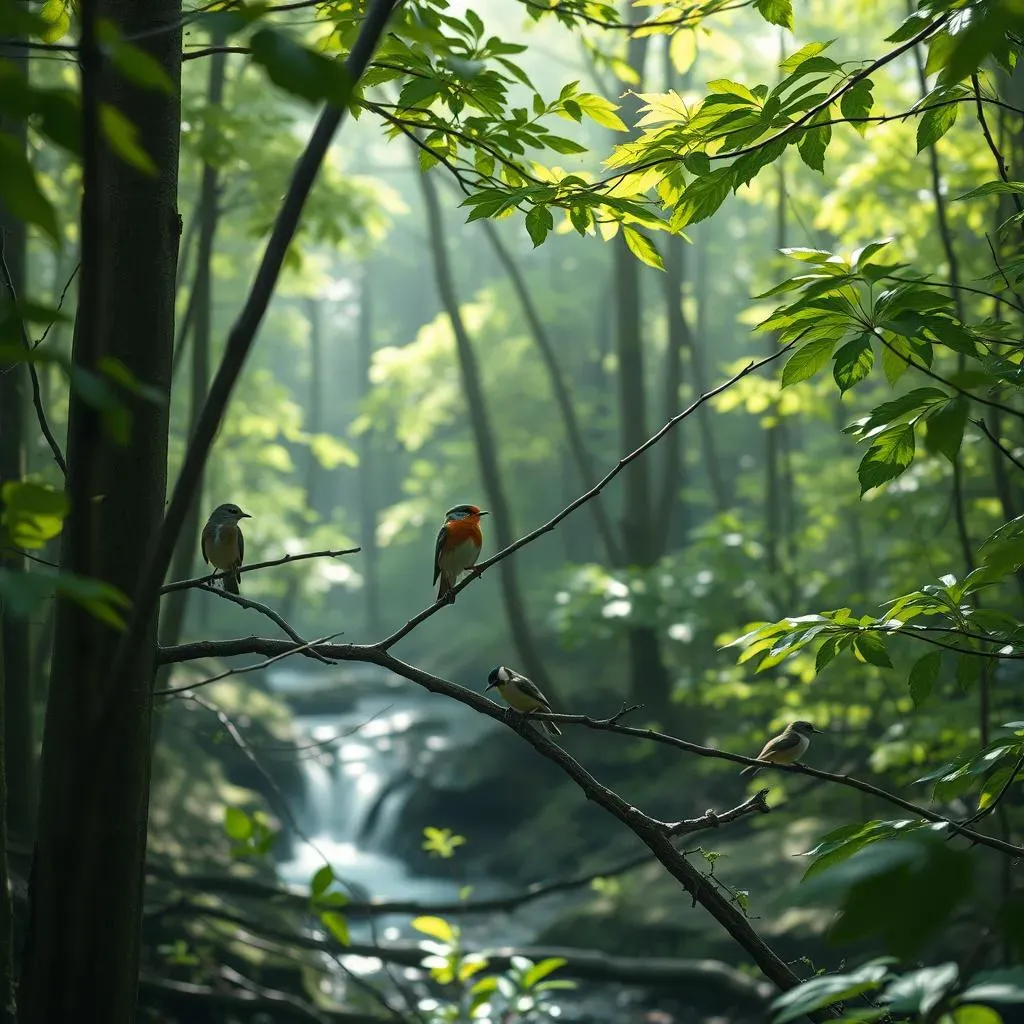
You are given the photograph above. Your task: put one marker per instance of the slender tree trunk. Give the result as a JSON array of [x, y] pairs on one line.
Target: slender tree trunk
[[18, 725], [315, 405], [698, 340], [200, 304], [16, 753], [773, 435], [369, 501], [85, 892], [581, 456], [486, 449], [650, 684]]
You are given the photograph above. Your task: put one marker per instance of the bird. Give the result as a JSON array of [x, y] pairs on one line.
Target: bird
[[458, 546], [223, 545], [790, 745], [520, 694]]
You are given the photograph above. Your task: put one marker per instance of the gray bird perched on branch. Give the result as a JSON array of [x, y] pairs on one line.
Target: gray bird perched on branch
[[223, 545], [790, 745], [520, 694]]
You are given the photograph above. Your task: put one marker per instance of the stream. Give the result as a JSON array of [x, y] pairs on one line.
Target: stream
[[368, 743]]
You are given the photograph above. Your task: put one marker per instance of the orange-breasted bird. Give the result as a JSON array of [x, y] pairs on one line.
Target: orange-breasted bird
[[458, 546], [223, 545], [790, 745]]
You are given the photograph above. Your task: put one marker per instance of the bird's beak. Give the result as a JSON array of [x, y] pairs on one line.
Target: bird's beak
[[814, 728], [245, 515], [483, 512], [490, 686]]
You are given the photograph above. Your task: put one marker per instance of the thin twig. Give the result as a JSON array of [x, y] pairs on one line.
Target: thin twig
[[37, 398], [1010, 779], [60, 303], [984, 428], [168, 588]]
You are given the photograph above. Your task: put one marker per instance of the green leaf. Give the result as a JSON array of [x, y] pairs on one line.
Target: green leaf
[[435, 927], [600, 110], [870, 648], [299, 71], [856, 103], [642, 247], [123, 138], [1005, 985], [934, 123], [33, 513], [902, 890], [923, 675], [538, 223], [19, 190], [776, 12], [826, 989], [807, 360], [237, 824], [815, 140], [321, 881], [853, 362], [540, 971], [792, 62], [920, 991], [17, 20], [887, 458], [702, 197], [57, 16], [135, 64], [337, 925], [993, 188], [945, 427]]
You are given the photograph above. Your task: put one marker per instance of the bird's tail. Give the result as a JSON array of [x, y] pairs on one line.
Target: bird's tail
[[552, 728], [444, 587], [751, 769], [232, 581]]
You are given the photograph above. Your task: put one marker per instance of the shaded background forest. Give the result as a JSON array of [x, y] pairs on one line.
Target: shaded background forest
[[359, 420]]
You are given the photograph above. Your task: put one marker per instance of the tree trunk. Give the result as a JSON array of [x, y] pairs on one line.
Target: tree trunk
[[18, 724], [200, 304], [315, 409], [705, 426], [486, 449], [85, 892], [369, 502], [649, 679]]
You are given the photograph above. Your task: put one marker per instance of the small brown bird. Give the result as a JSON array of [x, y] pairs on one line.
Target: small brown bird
[[790, 745]]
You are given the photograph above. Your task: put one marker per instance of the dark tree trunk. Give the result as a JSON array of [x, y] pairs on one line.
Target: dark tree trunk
[[200, 305], [18, 724], [85, 892], [486, 449], [369, 500]]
